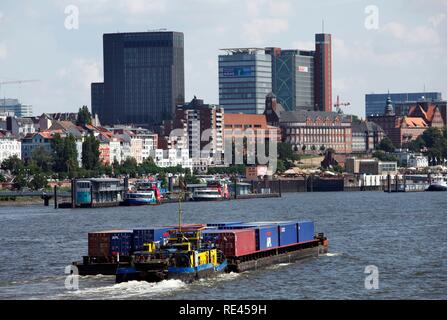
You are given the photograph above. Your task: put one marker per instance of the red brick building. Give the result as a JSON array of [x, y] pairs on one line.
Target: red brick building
[[316, 129], [408, 124]]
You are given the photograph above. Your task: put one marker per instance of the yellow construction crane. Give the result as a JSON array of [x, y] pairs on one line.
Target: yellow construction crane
[[339, 105]]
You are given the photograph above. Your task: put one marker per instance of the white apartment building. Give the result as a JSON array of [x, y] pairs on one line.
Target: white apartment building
[[9, 146]]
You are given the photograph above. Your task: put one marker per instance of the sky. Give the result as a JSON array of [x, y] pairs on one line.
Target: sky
[[397, 45]]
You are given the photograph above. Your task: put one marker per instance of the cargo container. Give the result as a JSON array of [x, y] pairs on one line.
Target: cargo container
[[110, 243], [233, 243], [288, 233], [224, 224], [266, 237], [187, 226], [236, 226], [142, 236], [306, 231]]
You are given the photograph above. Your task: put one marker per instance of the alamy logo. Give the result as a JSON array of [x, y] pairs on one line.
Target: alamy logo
[[72, 20], [372, 280], [72, 280], [372, 18]]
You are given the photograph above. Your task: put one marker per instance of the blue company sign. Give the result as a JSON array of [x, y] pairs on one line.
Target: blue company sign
[[237, 72]]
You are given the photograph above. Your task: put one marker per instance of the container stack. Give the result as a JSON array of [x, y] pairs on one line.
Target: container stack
[[142, 236], [266, 235], [110, 243]]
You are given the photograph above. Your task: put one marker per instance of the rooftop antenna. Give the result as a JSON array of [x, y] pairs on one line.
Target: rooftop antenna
[[322, 25]]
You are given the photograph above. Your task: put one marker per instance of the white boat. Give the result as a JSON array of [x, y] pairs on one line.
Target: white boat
[[438, 184], [207, 194]]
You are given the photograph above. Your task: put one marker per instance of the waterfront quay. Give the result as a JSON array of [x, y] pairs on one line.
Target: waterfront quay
[[110, 192]]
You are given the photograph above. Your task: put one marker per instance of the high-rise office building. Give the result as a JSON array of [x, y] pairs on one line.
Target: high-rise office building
[[143, 78], [97, 96], [293, 78], [15, 108], [245, 79], [375, 103], [323, 72]]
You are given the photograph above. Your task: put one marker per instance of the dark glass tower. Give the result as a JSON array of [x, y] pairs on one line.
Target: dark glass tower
[[144, 77]]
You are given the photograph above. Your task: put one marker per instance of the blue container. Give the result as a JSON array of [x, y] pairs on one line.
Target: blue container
[[211, 235], [121, 242], [266, 237], [237, 226], [142, 236], [224, 224], [288, 233], [306, 231]]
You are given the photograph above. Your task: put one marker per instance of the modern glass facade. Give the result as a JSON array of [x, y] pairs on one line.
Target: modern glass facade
[[13, 106], [293, 79], [245, 79], [97, 92], [375, 103], [143, 77]]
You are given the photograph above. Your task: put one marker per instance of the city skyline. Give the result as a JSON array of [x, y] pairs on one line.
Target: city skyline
[[364, 60]]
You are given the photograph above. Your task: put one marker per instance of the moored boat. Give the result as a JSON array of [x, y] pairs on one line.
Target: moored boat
[[140, 198], [438, 184], [207, 194]]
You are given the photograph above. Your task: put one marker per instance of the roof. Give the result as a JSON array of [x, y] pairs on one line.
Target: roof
[[245, 119], [366, 126], [303, 115], [414, 122]]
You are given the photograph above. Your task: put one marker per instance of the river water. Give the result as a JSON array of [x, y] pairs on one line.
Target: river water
[[403, 235]]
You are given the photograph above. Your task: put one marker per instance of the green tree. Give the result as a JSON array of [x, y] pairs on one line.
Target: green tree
[[84, 117], [65, 154], [20, 181], [386, 145], [42, 158], [383, 156], [90, 153], [14, 164], [280, 167], [39, 181], [286, 153], [130, 167]]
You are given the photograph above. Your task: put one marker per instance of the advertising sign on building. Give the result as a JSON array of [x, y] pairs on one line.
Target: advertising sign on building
[[303, 69], [237, 72]]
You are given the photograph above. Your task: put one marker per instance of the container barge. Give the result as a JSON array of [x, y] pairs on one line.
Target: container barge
[[191, 252]]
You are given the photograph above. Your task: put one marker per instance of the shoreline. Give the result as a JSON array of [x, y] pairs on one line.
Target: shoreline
[[22, 201]]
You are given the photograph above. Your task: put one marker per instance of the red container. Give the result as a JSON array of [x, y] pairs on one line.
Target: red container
[[101, 244], [98, 244], [237, 243]]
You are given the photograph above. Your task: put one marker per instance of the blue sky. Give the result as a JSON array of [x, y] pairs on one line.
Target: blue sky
[[406, 52]]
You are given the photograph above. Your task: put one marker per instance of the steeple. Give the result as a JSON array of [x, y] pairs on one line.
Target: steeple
[[389, 109]]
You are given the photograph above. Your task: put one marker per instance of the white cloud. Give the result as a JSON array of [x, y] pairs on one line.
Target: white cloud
[[437, 19], [3, 51], [303, 45], [280, 7], [80, 73], [257, 30], [126, 9], [418, 35], [366, 53]]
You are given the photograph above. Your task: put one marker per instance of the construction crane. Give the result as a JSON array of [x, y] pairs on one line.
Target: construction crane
[[339, 105], [15, 82]]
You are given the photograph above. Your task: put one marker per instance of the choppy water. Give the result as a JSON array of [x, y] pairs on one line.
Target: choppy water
[[404, 235]]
